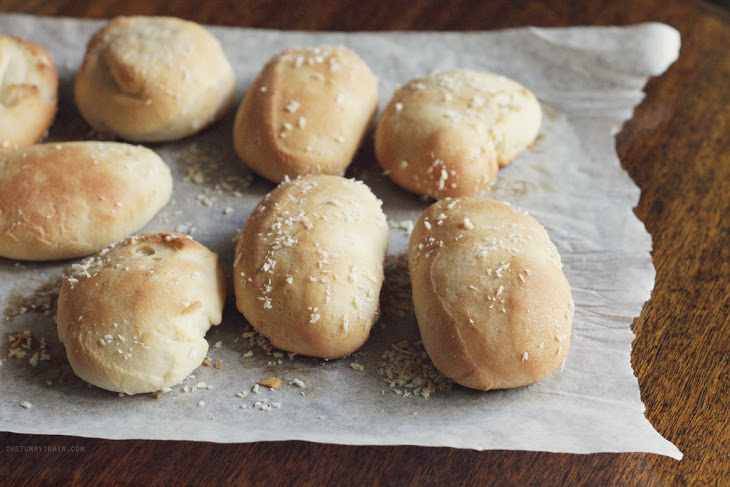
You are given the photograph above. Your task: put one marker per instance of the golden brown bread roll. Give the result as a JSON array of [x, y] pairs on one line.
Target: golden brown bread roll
[[309, 265], [28, 92], [306, 113], [152, 79], [448, 133], [492, 303], [59, 201], [133, 318]]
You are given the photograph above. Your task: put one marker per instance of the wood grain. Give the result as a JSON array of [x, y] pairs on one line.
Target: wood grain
[[676, 148]]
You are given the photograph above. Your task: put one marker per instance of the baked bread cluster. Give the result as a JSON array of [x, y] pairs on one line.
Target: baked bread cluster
[[153, 79], [28, 92], [492, 303], [133, 317], [309, 265], [493, 306], [306, 113]]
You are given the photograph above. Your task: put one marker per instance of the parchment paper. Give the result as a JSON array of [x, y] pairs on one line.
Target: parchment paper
[[588, 80]]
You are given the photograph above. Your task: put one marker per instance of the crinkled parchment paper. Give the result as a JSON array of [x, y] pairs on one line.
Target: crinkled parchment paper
[[588, 81]]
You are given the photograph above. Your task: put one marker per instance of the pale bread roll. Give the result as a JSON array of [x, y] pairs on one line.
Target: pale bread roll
[[133, 318], [309, 265], [447, 134], [65, 200], [492, 303], [152, 79], [28, 92], [306, 113]]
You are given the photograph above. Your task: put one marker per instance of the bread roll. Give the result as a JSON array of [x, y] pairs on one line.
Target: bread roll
[[492, 303], [306, 113], [28, 92], [309, 265], [448, 133], [133, 318], [59, 201], [152, 79]]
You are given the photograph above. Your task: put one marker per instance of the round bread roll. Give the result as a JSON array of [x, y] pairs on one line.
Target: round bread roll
[[446, 135], [492, 303], [28, 93], [309, 265], [152, 79], [306, 113], [59, 201], [133, 318]]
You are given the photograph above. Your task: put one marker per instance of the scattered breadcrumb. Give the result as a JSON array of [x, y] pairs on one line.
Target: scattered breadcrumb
[[409, 371], [271, 383], [264, 406], [204, 167], [297, 382], [26, 405], [406, 225], [22, 345], [356, 366], [395, 297], [207, 362]]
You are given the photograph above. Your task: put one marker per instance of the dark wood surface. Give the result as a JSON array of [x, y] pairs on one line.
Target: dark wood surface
[[676, 148]]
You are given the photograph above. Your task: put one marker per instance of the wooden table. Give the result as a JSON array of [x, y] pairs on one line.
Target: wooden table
[[677, 150]]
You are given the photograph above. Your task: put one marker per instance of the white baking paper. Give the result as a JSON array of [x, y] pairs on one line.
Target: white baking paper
[[588, 80]]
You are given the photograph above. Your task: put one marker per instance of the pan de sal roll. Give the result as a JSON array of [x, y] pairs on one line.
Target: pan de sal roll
[[59, 201], [308, 266], [448, 133], [28, 92], [133, 317], [152, 79], [492, 303], [306, 113]]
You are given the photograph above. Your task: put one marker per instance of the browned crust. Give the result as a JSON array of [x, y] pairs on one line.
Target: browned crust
[[133, 317], [68, 200], [306, 275], [447, 134], [492, 303], [153, 90], [269, 134], [27, 118]]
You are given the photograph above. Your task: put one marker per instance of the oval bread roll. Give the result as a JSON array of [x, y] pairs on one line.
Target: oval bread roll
[[306, 113], [446, 135], [492, 303], [59, 201], [28, 92], [309, 265], [133, 318], [152, 79]]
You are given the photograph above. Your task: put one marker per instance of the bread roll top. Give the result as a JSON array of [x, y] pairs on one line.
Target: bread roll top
[[149, 79], [71, 199], [306, 113], [309, 265], [445, 135], [133, 318], [28, 92], [493, 305]]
